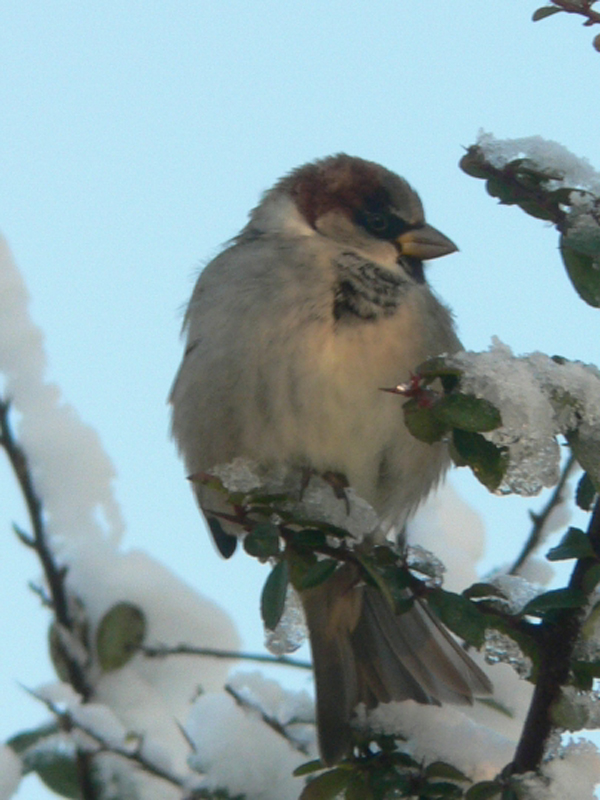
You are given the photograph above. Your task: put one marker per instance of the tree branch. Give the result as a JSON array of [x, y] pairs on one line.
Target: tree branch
[[268, 720], [161, 651], [540, 519], [557, 639], [55, 576]]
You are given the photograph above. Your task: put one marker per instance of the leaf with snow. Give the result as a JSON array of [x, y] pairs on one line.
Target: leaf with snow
[[554, 600], [467, 412]]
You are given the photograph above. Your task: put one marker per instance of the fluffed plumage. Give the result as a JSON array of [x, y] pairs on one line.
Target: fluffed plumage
[[291, 333]]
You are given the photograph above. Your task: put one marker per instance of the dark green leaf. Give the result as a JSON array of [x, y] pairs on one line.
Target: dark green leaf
[[358, 788], [574, 544], [441, 789], [479, 590], [591, 578], [537, 210], [422, 422], [120, 633], [308, 768], [487, 461], [584, 271], [585, 492], [263, 541], [486, 790], [22, 741], [327, 786], [506, 194], [553, 600], [467, 412], [439, 769], [57, 770], [584, 673], [460, 615], [545, 11], [318, 573], [273, 595], [309, 537]]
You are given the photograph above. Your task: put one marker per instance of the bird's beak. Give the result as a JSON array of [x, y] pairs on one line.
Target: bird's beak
[[425, 243]]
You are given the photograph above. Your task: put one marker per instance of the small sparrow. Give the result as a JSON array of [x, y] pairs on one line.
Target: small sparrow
[[292, 330]]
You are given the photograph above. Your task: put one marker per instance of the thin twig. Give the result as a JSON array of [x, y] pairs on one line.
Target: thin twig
[[268, 720], [55, 577], [540, 519], [134, 756], [161, 651], [55, 574]]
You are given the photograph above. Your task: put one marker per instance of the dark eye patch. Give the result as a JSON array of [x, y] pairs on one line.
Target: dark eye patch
[[381, 223]]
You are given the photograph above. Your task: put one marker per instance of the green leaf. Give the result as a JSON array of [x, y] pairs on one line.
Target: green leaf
[[553, 600], [272, 600], [479, 590], [20, 742], [439, 769], [487, 461], [460, 615], [486, 790], [120, 633], [441, 789], [317, 574], [505, 192], [584, 673], [57, 770], [591, 578], [308, 768], [467, 412], [327, 786], [574, 544], [537, 210], [585, 493], [584, 271], [309, 538], [422, 422], [545, 11], [262, 541]]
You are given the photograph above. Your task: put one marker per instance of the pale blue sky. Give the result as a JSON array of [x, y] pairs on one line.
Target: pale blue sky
[[136, 136]]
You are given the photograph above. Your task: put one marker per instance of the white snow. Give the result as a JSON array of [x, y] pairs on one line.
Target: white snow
[[10, 772], [234, 749], [318, 503], [576, 172], [290, 632], [538, 399], [573, 774], [71, 470], [445, 734]]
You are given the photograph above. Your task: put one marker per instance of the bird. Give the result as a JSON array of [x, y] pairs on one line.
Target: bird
[[291, 333]]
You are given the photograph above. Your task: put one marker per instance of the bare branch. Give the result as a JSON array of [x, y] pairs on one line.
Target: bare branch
[[162, 651], [270, 721], [540, 518]]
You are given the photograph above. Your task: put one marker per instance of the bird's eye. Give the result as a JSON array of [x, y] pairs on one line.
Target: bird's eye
[[377, 223]]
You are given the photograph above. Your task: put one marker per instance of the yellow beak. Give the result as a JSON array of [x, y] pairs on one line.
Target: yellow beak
[[425, 243]]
